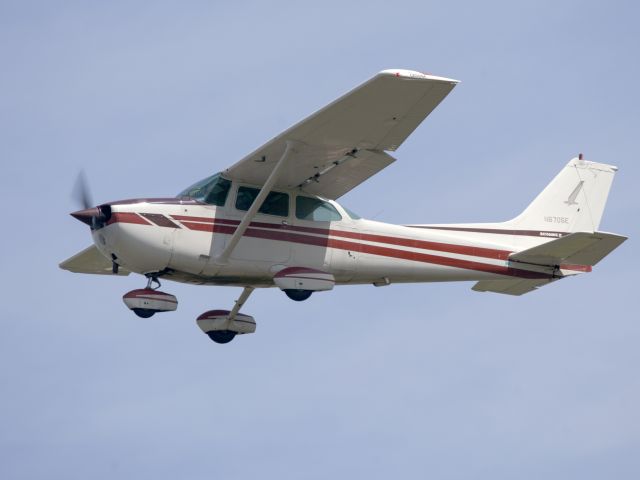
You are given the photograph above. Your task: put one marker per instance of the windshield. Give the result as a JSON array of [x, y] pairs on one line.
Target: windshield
[[212, 190]]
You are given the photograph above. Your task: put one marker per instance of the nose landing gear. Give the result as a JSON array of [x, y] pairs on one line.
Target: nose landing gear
[[146, 302]]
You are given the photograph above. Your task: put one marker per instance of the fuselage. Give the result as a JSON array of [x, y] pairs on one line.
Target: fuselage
[[181, 238]]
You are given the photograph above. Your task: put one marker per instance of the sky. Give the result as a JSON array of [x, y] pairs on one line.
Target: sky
[[406, 381]]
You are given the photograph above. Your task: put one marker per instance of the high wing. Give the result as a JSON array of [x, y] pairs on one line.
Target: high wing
[[344, 143], [90, 260]]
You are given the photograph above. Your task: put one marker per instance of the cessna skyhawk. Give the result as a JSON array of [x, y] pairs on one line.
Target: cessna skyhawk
[[273, 220]]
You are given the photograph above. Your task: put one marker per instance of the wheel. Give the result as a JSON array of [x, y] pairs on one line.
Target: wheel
[[143, 312], [298, 295], [221, 336]]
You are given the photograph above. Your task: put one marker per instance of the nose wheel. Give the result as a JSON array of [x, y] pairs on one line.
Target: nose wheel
[[146, 302]]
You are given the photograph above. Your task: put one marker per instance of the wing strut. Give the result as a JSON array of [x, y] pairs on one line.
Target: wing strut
[[238, 305], [257, 203]]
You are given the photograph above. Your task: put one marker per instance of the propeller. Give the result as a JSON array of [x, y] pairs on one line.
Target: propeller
[[81, 192], [93, 216]]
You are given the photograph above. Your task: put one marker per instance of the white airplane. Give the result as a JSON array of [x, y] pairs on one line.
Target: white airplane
[[272, 219]]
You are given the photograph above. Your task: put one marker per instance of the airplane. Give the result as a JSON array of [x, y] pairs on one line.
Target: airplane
[[273, 220]]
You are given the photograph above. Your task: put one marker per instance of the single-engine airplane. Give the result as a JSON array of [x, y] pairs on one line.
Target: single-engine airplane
[[272, 219]]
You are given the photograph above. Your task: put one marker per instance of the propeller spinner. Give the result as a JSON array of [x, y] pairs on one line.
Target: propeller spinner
[[93, 216]]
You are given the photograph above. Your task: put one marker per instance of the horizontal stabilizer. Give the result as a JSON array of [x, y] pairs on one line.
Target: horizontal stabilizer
[[90, 260], [512, 286], [579, 248]]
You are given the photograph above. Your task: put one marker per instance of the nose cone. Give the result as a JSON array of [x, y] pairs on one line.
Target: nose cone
[[87, 215]]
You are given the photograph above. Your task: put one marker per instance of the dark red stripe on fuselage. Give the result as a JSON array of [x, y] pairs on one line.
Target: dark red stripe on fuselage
[[127, 217], [325, 241], [160, 220], [404, 242], [497, 231], [300, 235]]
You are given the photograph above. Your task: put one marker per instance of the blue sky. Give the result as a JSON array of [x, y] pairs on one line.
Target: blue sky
[[407, 381]]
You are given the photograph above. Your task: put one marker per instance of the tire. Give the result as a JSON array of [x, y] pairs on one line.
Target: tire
[[144, 312], [221, 336], [298, 295]]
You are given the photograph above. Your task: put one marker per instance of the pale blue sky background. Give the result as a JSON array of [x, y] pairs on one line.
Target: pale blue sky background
[[414, 381]]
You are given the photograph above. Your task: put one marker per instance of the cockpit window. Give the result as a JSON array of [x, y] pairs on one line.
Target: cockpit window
[[316, 210], [276, 203], [212, 190]]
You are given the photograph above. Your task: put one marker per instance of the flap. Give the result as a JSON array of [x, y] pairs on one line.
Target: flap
[[343, 144], [90, 260]]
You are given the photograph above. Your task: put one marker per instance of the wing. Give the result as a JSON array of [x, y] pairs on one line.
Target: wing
[[90, 260], [343, 144]]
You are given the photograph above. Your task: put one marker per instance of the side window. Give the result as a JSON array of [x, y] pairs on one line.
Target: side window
[[276, 203], [317, 210], [218, 193]]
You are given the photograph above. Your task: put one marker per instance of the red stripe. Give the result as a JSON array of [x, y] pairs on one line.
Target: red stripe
[[371, 249], [497, 231], [159, 220], [404, 242], [437, 260], [127, 217], [286, 233], [160, 299], [577, 268]]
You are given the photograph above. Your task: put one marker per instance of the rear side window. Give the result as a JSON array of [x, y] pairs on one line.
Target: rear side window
[[316, 210], [276, 203]]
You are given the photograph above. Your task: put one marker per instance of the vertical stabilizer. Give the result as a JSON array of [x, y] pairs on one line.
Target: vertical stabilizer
[[574, 200]]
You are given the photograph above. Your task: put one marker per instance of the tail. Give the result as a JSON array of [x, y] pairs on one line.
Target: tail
[[557, 234], [574, 201]]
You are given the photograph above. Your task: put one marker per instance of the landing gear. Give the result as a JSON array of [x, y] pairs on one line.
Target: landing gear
[[298, 295], [222, 326], [143, 312], [146, 302], [222, 336], [300, 282]]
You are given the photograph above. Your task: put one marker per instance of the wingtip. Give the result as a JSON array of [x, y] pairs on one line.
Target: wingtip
[[415, 75]]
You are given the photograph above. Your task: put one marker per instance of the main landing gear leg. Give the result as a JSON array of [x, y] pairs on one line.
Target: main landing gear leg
[[239, 303], [227, 331]]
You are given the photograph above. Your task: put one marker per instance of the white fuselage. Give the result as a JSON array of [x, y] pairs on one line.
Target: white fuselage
[[181, 239]]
